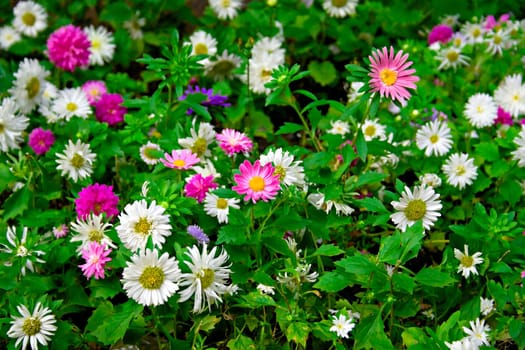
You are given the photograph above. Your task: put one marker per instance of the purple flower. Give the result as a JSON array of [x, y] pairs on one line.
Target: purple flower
[[196, 232], [41, 140], [441, 33], [109, 109], [211, 99]]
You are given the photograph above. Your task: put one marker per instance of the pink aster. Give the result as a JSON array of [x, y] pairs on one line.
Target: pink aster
[[180, 159], [41, 140], [256, 181], [96, 256], [198, 186], [96, 199], [441, 33], [233, 141], [109, 109], [390, 75], [68, 48], [94, 89], [60, 231]]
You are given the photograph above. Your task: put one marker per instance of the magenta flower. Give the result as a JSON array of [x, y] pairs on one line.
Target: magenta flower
[[180, 159], [503, 117], [41, 140], [96, 256], [491, 22], [109, 109], [233, 141], [198, 186], [94, 90], [256, 181], [390, 75], [68, 48], [96, 199], [441, 33]]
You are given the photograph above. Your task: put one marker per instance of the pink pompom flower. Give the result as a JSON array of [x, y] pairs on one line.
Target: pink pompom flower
[[68, 48], [96, 199], [109, 109], [41, 140], [94, 89], [198, 186], [390, 75], [181, 159], [96, 256], [441, 33], [232, 142], [503, 117], [257, 182]]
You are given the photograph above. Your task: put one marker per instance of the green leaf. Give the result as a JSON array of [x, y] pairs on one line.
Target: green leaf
[[241, 343], [332, 282], [402, 246], [306, 93], [17, 203], [298, 332], [328, 250], [510, 191], [488, 150], [372, 204], [205, 324], [370, 334], [256, 299], [232, 234], [357, 264], [6, 177], [109, 324], [106, 288], [413, 336], [323, 73], [369, 178], [432, 277], [442, 331], [360, 144], [289, 128], [116, 11]]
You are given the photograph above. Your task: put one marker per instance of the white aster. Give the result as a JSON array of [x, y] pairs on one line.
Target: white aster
[[486, 306], [430, 179], [30, 18], [223, 66], [225, 9], [451, 57], [218, 207], [151, 280], [510, 95], [477, 333], [434, 138], [260, 73], [462, 344], [28, 84], [32, 328], [199, 140], [340, 8], [342, 325], [319, 202], [208, 279], [71, 102], [134, 26], [467, 263], [21, 249], [481, 110], [497, 42], [102, 46], [12, 125], [268, 49], [372, 129], [519, 153], [264, 289], [8, 37], [150, 153], [91, 229], [473, 32], [77, 160], [139, 222], [421, 204], [203, 43], [460, 170], [339, 127], [290, 172]]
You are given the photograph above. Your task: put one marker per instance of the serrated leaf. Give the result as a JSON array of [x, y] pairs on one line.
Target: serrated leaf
[[256, 299], [357, 264], [298, 332], [370, 334], [231, 234], [328, 250], [401, 246], [113, 322], [332, 282], [241, 343], [17, 203], [289, 128], [323, 73], [432, 277]]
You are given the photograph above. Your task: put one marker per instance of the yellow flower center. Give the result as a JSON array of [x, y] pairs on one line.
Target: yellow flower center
[[370, 130], [1, 128], [222, 68], [95, 236], [434, 139], [497, 39], [206, 276], [256, 183], [201, 49], [452, 56], [415, 209], [266, 74], [152, 277], [467, 261], [388, 76], [279, 170], [31, 326], [225, 3], [71, 107], [516, 97], [33, 87], [457, 42], [476, 32], [199, 146], [22, 251], [143, 226], [179, 163], [29, 19], [339, 3], [460, 170], [222, 203], [77, 161], [96, 44]]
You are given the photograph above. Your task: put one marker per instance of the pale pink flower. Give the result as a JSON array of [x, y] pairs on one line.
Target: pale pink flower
[[233, 141], [182, 159], [94, 89], [96, 256]]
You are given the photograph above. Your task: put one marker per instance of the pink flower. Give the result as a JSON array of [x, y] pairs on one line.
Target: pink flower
[[390, 75], [68, 48], [198, 186], [503, 117], [96, 256], [96, 199], [233, 141], [94, 90], [41, 140], [109, 109], [180, 159], [441, 33], [60, 231], [256, 181], [490, 22]]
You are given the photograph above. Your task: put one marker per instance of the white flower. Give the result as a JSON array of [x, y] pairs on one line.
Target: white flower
[[463, 344], [203, 43], [21, 250], [30, 18], [342, 325], [450, 20], [451, 57], [339, 127], [264, 289], [486, 306], [268, 49], [134, 26], [208, 279], [340, 8], [430, 179], [139, 221], [318, 201], [12, 125], [473, 32], [150, 153], [373, 130], [77, 160], [221, 67], [481, 110], [460, 170], [422, 204], [8, 37], [353, 92], [28, 84], [71, 102], [429, 313], [32, 328], [434, 138], [150, 280], [290, 172], [467, 263], [219, 207], [477, 333], [225, 9], [91, 229], [458, 40], [510, 95], [199, 140], [102, 46], [497, 41], [519, 153]]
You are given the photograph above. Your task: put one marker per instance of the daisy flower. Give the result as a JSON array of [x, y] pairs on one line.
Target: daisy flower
[[256, 181], [339, 127], [340, 8], [139, 222], [196, 232], [462, 344], [319, 202], [96, 256], [77, 160], [8, 37], [481, 110], [486, 306], [497, 42], [510, 95], [134, 26], [260, 73], [353, 91], [198, 186], [102, 47], [342, 325], [150, 153], [218, 207], [208, 279], [109, 109], [390, 75], [28, 84], [473, 32], [264, 289], [60, 231], [94, 89], [97, 199], [222, 67], [41, 140], [30, 18], [92, 228], [12, 125], [22, 249], [519, 153], [203, 43], [467, 263], [434, 138], [150, 280], [421, 204], [477, 333], [430, 179], [460, 170], [225, 9], [181, 159], [70, 103], [373, 130], [451, 57], [268, 49], [32, 328], [290, 172], [233, 141], [68, 48], [199, 140]]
